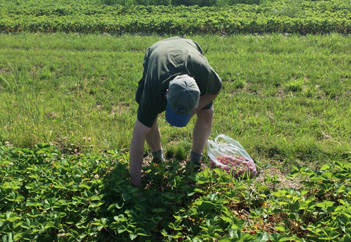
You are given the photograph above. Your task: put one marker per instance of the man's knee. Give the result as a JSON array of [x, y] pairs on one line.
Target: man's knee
[[206, 114]]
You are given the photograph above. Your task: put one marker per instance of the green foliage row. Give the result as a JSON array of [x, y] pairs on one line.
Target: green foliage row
[[291, 17], [48, 196], [201, 3]]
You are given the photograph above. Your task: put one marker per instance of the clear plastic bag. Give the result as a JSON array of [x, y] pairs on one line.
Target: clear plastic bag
[[228, 154]]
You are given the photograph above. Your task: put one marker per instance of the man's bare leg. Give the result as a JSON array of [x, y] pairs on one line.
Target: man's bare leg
[[202, 130], [154, 141], [137, 151], [153, 138]]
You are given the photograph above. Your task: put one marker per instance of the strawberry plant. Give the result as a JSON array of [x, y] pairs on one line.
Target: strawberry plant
[[48, 195], [64, 16]]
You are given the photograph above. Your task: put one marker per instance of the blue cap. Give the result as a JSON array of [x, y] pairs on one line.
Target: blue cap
[[175, 119], [182, 98]]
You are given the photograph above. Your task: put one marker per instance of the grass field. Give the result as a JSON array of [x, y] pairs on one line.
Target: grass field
[[286, 99]]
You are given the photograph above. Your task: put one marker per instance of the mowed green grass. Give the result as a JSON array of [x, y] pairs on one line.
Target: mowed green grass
[[286, 98]]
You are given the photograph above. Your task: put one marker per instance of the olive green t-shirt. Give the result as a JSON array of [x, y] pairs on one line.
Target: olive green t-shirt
[[163, 61]]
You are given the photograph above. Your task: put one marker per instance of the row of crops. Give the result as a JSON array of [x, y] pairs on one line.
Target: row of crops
[[302, 17], [48, 196]]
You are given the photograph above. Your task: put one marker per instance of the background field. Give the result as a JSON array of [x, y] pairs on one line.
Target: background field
[[68, 74], [216, 17]]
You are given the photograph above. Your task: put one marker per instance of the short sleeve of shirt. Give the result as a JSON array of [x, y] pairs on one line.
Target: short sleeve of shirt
[[214, 83], [206, 78], [146, 115], [148, 109]]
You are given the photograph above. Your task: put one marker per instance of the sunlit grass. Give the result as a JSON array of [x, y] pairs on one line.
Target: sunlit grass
[[285, 98]]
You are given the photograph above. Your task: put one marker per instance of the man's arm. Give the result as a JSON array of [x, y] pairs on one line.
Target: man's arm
[[136, 153], [204, 100]]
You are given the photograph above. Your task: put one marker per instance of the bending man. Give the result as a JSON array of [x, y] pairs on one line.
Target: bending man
[[177, 79]]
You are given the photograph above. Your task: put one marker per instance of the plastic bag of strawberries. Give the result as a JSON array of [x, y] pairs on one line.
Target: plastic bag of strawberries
[[228, 154]]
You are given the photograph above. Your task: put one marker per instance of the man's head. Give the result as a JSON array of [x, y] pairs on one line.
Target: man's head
[[182, 98]]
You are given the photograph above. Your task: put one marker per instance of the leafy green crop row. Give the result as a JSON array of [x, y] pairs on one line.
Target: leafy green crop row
[[48, 196], [305, 17]]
